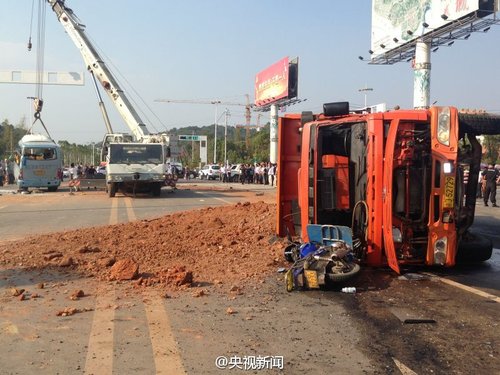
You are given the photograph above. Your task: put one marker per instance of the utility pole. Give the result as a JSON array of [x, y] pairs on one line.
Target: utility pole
[[216, 102], [225, 136], [365, 90]]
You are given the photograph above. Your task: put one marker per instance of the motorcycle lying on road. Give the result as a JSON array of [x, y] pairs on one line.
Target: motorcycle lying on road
[[328, 257]]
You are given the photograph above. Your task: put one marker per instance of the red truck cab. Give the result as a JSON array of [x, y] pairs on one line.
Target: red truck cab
[[395, 178]]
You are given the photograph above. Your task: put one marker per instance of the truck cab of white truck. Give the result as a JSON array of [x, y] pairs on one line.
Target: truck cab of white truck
[[135, 167]]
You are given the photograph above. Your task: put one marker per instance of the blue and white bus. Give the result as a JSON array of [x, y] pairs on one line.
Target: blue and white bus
[[40, 163]]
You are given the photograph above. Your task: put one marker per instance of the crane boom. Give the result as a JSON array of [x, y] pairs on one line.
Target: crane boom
[[97, 67], [134, 162], [200, 102]]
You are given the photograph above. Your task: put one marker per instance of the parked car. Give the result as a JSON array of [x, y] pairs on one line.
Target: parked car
[[210, 172], [235, 172]]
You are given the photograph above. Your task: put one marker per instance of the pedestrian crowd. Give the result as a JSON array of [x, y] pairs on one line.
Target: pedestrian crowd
[[6, 172], [263, 173]]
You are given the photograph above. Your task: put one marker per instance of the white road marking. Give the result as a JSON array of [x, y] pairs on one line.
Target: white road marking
[[405, 370], [469, 289], [130, 209], [219, 199], [223, 200], [166, 354], [100, 348], [113, 215]]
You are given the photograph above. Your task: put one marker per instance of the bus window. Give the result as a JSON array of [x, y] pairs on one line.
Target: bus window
[[40, 153]]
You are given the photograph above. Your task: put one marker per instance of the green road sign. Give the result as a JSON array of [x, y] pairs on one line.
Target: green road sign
[[189, 137]]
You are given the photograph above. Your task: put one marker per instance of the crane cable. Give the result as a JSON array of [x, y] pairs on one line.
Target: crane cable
[[40, 54], [40, 49], [31, 25]]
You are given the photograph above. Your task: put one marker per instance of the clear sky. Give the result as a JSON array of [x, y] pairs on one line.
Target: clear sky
[[212, 49]]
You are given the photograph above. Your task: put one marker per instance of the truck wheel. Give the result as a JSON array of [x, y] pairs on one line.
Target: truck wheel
[[156, 190], [484, 123], [354, 268], [112, 189], [474, 249], [52, 188]]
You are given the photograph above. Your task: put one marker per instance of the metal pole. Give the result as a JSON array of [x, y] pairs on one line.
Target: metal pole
[[192, 147], [273, 134], [365, 90], [215, 135], [225, 137], [422, 75]]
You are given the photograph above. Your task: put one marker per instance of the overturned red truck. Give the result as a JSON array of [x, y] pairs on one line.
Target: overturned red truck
[[395, 178]]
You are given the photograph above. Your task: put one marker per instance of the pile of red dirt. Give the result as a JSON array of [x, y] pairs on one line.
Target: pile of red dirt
[[229, 244]]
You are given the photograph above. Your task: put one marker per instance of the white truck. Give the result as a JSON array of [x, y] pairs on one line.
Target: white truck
[[136, 161]]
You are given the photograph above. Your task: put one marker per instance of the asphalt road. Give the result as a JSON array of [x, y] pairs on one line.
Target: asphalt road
[[122, 330], [44, 212]]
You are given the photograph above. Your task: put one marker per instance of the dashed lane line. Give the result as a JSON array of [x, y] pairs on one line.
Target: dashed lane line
[[218, 199], [130, 209], [113, 215], [470, 289], [166, 353], [100, 347]]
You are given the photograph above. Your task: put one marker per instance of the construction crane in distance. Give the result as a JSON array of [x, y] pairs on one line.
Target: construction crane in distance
[[248, 127], [248, 106], [248, 110]]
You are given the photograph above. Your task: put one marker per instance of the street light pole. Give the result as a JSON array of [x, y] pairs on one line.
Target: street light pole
[[215, 134], [225, 136]]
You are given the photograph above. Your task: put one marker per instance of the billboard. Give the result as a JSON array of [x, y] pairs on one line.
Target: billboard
[[396, 22], [277, 82]]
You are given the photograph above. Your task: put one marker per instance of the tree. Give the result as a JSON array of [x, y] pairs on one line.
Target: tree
[[10, 135], [491, 146]]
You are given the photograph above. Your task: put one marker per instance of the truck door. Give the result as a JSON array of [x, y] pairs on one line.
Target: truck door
[[289, 148], [390, 251]]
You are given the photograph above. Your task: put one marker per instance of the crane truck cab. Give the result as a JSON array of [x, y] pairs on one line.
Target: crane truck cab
[[395, 178], [135, 167]]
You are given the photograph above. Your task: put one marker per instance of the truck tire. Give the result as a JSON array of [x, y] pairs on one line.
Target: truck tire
[[474, 250], [52, 188], [112, 189], [156, 190], [479, 123], [339, 277]]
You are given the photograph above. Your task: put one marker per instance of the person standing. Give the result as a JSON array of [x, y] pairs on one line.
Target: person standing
[[480, 185], [272, 173], [491, 176]]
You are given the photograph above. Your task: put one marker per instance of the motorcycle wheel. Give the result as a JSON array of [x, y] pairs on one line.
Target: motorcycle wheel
[[354, 268]]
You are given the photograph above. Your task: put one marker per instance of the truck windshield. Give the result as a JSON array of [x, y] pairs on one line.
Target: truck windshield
[[136, 154]]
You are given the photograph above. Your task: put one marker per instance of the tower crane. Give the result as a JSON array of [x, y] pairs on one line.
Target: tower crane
[[248, 108]]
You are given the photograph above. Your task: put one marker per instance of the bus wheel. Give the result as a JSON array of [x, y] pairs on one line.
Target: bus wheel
[[112, 189], [52, 188]]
